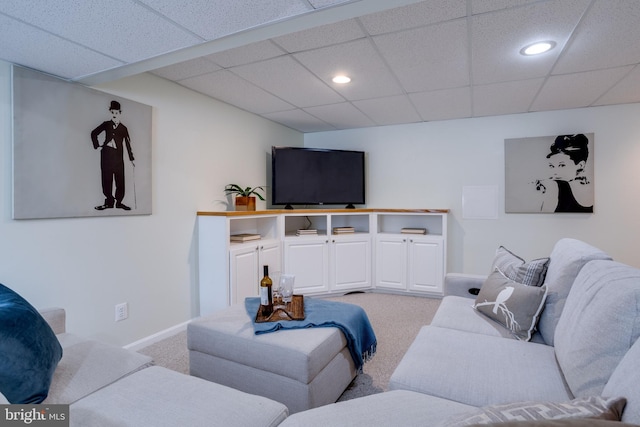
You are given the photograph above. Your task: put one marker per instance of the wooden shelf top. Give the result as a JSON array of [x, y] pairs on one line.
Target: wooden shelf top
[[318, 211]]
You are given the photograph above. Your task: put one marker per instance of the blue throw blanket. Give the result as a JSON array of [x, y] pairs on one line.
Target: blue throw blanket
[[351, 319]]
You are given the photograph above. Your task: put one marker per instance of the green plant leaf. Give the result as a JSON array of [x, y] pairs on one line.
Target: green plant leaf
[[244, 192]]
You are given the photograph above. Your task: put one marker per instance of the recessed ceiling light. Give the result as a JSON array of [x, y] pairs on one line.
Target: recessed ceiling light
[[341, 79], [537, 48]]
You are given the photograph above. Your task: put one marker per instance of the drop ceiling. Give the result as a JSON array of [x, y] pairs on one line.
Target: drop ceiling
[[410, 61]]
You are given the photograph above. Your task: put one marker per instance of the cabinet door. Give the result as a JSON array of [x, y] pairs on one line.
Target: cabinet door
[[425, 264], [350, 262], [308, 260], [271, 255], [243, 273], [391, 262]]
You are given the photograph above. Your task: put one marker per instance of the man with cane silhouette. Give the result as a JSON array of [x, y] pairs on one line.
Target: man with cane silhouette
[[116, 137]]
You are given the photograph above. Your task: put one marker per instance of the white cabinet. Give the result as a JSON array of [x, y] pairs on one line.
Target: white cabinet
[[425, 264], [330, 261], [226, 270], [324, 264], [391, 262], [246, 263], [308, 259], [353, 249], [410, 262], [350, 262]]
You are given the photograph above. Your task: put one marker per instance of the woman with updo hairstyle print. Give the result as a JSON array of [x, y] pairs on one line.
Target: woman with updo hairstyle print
[[567, 157]]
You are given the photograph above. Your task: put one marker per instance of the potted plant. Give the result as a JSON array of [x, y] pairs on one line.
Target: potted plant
[[245, 197]]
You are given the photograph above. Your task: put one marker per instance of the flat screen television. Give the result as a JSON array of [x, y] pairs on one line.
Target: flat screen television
[[314, 176]]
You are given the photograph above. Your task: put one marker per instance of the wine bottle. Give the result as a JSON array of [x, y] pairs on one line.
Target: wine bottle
[[266, 298]]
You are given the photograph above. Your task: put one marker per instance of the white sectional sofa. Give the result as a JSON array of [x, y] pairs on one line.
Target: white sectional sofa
[[107, 386], [464, 367]]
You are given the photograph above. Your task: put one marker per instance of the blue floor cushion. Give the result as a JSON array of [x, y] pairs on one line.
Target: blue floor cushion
[[29, 350]]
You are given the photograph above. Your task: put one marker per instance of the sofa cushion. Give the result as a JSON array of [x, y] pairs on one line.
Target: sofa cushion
[[566, 260], [478, 369], [389, 409], [457, 312], [624, 382], [585, 407], [512, 304], [600, 322], [530, 273], [88, 366], [160, 397], [29, 348]]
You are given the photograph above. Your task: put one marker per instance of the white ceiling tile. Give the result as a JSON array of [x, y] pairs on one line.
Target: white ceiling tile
[[390, 110], [425, 55], [291, 81], [226, 86], [341, 116], [109, 30], [440, 63], [184, 70], [253, 52], [414, 15], [370, 76], [505, 98], [212, 19], [608, 37], [42, 51], [626, 91], [443, 104], [323, 35], [576, 90], [497, 39], [299, 120]]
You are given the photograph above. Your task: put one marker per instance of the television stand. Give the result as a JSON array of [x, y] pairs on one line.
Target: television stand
[[288, 207], [350, 206]]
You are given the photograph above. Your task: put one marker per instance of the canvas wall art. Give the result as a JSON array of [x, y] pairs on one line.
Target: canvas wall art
[[77, 151], [549, 174]]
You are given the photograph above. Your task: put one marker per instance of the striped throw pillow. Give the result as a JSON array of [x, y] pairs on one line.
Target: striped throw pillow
[[530, 273]]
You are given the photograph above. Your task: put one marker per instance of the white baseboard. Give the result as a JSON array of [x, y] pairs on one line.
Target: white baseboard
[[152, 339]]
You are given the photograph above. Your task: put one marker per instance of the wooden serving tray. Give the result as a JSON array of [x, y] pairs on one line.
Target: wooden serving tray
[[293, 310]]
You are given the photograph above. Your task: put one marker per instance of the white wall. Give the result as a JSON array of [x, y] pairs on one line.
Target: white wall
[[88, 265], [199, 145], [427, 165]]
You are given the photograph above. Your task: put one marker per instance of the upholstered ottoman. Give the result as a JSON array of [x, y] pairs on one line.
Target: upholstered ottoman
[[302, 368]]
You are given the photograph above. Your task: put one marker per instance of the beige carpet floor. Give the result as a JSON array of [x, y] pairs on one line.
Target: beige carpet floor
[[396, 320]]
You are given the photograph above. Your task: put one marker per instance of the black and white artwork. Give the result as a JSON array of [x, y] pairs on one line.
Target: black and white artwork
[[550, 174], [77, 151]]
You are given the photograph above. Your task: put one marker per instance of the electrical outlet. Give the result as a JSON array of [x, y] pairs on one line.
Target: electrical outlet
[[122, 311]]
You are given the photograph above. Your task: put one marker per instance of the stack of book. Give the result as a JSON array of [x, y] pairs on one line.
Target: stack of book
[[307, 232], [409, 230], [244, 237], [343, 230]]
